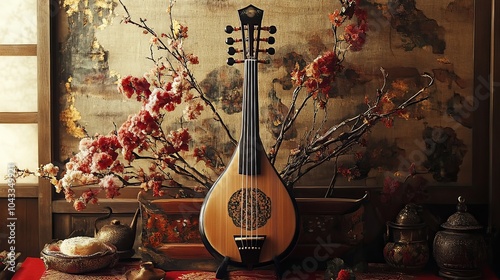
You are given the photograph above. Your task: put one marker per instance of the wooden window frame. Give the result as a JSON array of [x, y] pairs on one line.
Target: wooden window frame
[[42, 117]]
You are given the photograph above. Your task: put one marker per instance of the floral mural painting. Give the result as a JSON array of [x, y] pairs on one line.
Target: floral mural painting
[[222, 86], [326, 71], [415, 28], [445, 153]]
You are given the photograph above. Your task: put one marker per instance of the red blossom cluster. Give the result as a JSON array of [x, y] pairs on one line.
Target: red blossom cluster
[[156, 98], [79, 205], [97, 154], [134, 132], [355, 36], [177, 141], [354, 33], [199, 153], [193, 59], [141, 136], [95, 163], [318, 76], [155, 185], [156, 225], [130, 86], [350, 173], [192, 111], [90, 196], [111, 184], [181, 31]]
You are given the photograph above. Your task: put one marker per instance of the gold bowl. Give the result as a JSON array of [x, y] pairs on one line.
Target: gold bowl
[[54, 259]]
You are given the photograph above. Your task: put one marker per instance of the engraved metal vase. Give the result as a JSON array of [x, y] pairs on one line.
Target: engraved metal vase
[[460, 249], [407, 248]]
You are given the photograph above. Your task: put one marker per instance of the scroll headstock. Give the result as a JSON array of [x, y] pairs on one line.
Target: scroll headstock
[[251, 25]]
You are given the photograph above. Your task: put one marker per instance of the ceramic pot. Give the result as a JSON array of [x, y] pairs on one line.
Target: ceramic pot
[[119, 235], [407, 256], [460, 249], [407, 247]]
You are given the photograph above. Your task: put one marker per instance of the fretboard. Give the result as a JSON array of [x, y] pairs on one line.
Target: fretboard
[[250, 143]]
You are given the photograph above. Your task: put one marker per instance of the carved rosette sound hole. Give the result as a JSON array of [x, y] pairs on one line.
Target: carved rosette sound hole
[[249, 208]]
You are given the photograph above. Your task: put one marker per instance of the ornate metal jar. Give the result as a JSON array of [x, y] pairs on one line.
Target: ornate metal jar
[[407, 248], [119, 235], [460, 249]]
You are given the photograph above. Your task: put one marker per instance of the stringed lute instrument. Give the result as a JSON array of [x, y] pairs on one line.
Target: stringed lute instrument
[[249, 218]]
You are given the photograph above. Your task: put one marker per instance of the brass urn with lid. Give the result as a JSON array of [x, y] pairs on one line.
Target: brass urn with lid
[[117, 234], [460, 249], [407, 247]]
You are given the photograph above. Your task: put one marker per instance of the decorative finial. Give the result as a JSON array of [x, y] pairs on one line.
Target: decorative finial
[[461, 207]]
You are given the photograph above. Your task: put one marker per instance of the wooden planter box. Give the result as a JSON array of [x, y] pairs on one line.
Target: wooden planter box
[[329, 227]]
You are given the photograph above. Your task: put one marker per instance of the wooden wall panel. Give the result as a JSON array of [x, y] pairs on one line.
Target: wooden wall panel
[[26, 231], [68, 221]]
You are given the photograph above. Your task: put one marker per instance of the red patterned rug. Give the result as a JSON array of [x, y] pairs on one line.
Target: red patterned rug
[[33, 268], [269, 275], [236, 275]]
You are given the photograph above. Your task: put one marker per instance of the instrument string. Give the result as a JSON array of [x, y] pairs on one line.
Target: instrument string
[[253, 145], [249, 143], [243, 154]]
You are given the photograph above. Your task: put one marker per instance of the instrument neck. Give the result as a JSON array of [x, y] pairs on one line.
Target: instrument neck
[[250, 143]]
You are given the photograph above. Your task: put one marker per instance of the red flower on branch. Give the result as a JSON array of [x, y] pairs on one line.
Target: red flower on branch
[[79, 205], [111, 185], [130, 85], [344, 274], [178, 140], [319, 75], [134, 132], [349, 173], [89, 196], [355, 36], [336, 18]]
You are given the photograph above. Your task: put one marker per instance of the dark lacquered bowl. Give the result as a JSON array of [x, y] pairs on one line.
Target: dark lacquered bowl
[[54, 259]]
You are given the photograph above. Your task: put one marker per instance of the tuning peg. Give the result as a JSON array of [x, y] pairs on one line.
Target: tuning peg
[[232, 51], [266, 61], [231, 61], [229, 29], [231, 41], [272, 29], [269, 40], [270, 51]]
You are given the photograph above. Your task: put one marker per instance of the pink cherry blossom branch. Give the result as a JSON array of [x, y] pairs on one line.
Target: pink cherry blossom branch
[[181, 57]]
